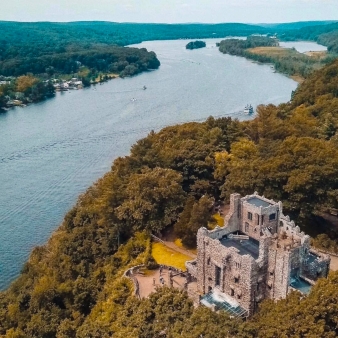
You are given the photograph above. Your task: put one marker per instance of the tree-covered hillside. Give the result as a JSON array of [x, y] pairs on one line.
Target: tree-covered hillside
[[30, 40], [98, 58], [296, 25], [266, 50], [323, 34], [73, 285]]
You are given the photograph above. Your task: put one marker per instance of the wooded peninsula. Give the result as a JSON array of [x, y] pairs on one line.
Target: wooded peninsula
[[284, 60]]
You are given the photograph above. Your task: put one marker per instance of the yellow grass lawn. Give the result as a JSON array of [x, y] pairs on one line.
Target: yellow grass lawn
[[167, 256]]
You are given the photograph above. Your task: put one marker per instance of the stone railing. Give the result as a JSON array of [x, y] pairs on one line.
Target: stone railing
[[130, 273], [168, 267], [325, 252], [191, 267]]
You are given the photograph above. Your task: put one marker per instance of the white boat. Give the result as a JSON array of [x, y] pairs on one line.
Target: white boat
[[248, 109]]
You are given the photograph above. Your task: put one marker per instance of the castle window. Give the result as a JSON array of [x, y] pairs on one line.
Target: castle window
[[280, 223], [246, 227], [218, 276], [272, 217], [239, 211], [255, 230], [257, 216], [232, 292], [271, 273], [236, 279], [238, 296], [208, 261], [262, 220], [250, 216]]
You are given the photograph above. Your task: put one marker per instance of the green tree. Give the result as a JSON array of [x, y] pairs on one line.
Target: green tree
[[154, 198]]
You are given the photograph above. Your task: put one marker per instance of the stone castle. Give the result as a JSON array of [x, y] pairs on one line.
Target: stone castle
[[258, 254]]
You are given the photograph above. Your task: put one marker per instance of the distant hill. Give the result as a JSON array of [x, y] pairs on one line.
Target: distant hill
[[46, 36], [21, 43], [296, 25], [323, 34]]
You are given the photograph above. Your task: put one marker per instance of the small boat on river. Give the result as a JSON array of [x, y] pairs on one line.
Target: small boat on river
[[248, 109], [144, 87]]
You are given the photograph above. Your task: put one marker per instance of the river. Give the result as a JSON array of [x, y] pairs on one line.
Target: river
[[52, 151], [303, 46]]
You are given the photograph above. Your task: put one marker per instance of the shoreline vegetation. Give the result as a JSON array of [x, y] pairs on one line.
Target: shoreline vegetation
[[73, 286], [287, 61], [72, 70]]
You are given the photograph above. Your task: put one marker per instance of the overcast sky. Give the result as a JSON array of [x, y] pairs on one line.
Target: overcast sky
[[170, 11]]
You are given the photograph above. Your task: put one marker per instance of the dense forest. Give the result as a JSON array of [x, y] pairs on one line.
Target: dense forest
[[120, 60], [86, 64], [73, 285], [238, 46], [36, 39]]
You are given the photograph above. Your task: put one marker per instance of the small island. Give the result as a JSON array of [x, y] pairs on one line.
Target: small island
[[195, 44]]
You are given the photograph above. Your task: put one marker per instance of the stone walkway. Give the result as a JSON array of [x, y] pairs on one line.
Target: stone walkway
[[334, 263], [147, 285]]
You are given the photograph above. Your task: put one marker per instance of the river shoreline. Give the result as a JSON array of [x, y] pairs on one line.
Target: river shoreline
[[56, 149]]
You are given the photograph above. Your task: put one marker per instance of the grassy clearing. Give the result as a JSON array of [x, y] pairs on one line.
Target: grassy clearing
[[167, 256], [317, 55], [273, 51]]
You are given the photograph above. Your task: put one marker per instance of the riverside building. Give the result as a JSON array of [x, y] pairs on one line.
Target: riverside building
[[259, 253]]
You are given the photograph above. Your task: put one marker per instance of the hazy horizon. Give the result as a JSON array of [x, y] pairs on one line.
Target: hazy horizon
[[174, 11]]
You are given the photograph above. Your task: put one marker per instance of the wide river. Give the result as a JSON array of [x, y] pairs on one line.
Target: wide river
[[52, 151]]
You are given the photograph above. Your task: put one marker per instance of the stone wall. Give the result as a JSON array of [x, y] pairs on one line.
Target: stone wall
[[283, 252], [238, 274]]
